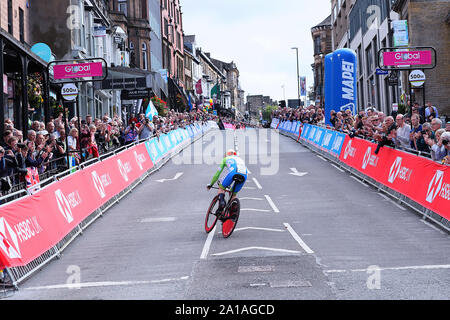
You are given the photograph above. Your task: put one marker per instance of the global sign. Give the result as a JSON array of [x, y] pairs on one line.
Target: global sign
[[80, 70], [402, 58]]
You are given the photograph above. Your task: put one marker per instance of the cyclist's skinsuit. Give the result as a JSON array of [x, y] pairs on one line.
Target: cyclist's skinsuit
[[234, 166]]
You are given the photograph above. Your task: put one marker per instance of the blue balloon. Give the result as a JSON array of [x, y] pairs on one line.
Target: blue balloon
[[329, 87], [43, 51], [340, 82]]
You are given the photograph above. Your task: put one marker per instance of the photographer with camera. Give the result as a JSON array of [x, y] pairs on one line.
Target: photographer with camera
[[145, 130], [437, 145], [131, 133], [386, 135]]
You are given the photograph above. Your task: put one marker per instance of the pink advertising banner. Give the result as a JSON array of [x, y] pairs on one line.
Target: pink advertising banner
[[78, 70], [401, 58]]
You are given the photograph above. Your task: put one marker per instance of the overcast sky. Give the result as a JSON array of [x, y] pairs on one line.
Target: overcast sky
[[258, 36]]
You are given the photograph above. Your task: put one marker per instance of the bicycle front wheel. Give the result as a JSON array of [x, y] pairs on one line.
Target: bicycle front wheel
[[211, 218], [229, 225]]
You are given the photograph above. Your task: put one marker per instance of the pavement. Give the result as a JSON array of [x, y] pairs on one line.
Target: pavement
[[318, 235]]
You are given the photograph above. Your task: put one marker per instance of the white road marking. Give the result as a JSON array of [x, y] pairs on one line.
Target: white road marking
[[425, 267], [257, 228], [257, 183], [258, 284], [166, 219], [246, 198], [248, 171], [103, 284], [433, 227], [322, 158], [356, 179], [296, 173], [255, 248], [249, 188], [245, 269], [259, 210], [207, 244], [391, 201], [338, 168], [297, 238], [274, 207], [179, 174]]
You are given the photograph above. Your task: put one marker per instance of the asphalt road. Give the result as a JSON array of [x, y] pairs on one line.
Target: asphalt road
[[319, 235]]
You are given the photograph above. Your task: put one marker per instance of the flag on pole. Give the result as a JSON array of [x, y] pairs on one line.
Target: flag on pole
[[151, 111], [189, 103], [215, 92], [198, 87]]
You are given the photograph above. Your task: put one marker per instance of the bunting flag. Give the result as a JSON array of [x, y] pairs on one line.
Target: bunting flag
[[151, 111], [198, 87], [215, 91]]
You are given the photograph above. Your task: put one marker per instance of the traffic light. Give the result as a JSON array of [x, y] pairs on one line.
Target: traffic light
[[282, 104]]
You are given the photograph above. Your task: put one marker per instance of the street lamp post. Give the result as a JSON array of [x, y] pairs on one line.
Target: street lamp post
[[298, 77]]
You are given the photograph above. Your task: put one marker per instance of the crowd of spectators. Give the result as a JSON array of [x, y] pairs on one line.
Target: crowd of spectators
[[420, 130], [46, 147]]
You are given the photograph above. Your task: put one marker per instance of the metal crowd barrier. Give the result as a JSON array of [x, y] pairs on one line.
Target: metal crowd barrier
[[400, 198], [19, 274]]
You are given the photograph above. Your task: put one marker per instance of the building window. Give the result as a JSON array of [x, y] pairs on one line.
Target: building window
[[369, 59], [98, 107], [166, 28], [21, 25], [10, 17], [144, 56], [317, 48], [123, 7]]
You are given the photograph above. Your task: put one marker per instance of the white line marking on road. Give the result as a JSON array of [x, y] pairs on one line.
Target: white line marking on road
[[255, 248], [391, 201], [249, 172], [259, 210], [246, 198], [257, 228], [257, 183], [338, 168], [208, 244], [322, 158], [426, 267], [356, 179], [103, 284], [179, 174], [298, 239], [245, 269], [258, 284], [252, 188], [274, 207], [166, 219], [433, 227]]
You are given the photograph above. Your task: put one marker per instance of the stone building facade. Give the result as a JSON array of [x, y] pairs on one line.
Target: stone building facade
[[340, 22], [429, 25], [322, 39]]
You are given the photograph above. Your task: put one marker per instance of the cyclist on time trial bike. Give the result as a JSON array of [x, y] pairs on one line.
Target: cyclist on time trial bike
[[235, 171]]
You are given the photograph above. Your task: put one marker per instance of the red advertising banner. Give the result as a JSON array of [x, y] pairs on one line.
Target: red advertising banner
[[34, 224], [420, 179]]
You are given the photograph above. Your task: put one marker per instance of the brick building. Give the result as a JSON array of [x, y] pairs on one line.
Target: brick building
[[340, 10], [429, 25], [322, 39]]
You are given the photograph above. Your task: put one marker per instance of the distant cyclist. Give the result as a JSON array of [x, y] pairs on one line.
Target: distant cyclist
[[235, 171]]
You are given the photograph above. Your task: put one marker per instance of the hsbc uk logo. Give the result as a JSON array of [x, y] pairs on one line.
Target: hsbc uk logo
[[98, 184], [318, 136], [397, 170], [124, 169], [140, 159], [66, 204], [437, 186], [327, 139], [349, 150], [369, 159], [337, 143], [9, 243]]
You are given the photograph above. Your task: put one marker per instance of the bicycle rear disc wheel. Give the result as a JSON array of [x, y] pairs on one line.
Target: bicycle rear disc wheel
[[229, 225], [211, 218]]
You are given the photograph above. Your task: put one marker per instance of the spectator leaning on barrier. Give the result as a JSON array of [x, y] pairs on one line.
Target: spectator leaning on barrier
[[145, 130], [402, 133]]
